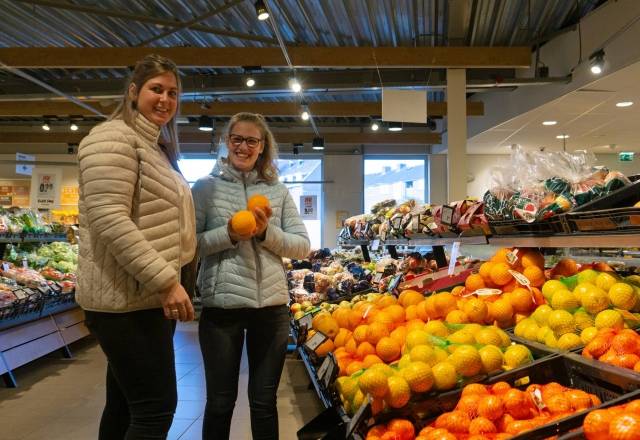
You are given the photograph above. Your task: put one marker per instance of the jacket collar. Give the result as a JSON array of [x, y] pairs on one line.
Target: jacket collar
[[224, 170], [149, 131]]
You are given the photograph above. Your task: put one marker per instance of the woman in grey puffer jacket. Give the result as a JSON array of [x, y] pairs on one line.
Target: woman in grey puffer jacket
[[242, 280]]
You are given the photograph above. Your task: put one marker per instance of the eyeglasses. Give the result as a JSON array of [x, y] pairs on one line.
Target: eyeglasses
[[236, 140]]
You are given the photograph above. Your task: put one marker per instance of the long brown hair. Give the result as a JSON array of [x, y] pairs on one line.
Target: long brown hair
[[149, 67], [266, 165]]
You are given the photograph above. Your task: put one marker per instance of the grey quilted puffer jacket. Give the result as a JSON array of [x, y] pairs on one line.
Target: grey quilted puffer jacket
[[249, 273]]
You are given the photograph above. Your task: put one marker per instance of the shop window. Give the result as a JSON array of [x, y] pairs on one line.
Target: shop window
[[394, 178]]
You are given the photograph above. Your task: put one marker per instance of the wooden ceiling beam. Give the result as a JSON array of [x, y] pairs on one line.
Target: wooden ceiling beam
[[282, 109], [191, 137], [301, 57]]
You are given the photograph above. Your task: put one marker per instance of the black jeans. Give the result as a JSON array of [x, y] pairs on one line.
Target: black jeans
[[141, 373], [222, 333]]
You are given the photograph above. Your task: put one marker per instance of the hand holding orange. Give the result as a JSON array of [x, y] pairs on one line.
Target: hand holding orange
[[243, 223]]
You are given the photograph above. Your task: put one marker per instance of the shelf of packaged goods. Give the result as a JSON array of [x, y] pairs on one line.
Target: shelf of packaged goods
[[569, 241], [420, 241]]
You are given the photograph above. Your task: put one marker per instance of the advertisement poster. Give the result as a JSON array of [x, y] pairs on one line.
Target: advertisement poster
[[70, 195], [309, 207], [45, 188]]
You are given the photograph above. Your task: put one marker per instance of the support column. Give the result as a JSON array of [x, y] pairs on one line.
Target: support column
[[456, 134], [438, 179]]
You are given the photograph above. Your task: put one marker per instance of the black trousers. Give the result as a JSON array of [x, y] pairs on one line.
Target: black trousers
[[141, 374], [222, 333]]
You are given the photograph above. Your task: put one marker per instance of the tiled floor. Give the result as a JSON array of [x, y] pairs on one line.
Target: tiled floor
[[63, 398]]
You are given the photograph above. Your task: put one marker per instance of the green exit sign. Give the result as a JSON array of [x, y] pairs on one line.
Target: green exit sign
[[625, 156]]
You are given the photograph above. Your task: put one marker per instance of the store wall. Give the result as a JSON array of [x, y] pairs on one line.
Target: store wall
[[343, 192]]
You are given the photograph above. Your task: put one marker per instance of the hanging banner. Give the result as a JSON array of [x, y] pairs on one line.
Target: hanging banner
[[309, 207], [22, 168], [45, 188]]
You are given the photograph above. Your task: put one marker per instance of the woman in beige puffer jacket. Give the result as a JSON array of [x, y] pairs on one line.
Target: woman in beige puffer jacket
[[137, 231]]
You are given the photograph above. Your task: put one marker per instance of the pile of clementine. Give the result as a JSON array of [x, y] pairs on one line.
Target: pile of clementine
[[396, 429], [618, 422], [615, 347], [501, 411]]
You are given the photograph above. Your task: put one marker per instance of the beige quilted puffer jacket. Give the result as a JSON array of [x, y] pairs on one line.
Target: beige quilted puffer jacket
[[129, 219]]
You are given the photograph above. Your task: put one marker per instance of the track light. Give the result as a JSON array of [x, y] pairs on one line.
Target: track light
[[73, 127], [318, 143], [375, 126], [250, 82], [305, 115], [431, 124], [597, 62], [261, 10], [395, 126], [205, 123], [295, 85], [46, 127]]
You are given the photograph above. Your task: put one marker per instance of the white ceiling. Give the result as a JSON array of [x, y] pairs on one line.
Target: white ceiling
[[589, 116]]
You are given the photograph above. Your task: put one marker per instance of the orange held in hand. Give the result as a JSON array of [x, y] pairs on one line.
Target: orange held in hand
[[257, 201], [243, 222]]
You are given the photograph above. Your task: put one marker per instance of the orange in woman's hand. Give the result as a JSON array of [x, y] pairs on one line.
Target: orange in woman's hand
[[243, 222], [257, 201]]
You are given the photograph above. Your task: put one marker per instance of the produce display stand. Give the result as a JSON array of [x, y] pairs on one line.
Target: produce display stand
[[30, 330], [612, 385]]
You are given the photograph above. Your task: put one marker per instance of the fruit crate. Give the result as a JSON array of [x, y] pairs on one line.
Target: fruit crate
[[606, 383], [616, 220], [21, 311], [578, 434], [541, 349], [555, 225]]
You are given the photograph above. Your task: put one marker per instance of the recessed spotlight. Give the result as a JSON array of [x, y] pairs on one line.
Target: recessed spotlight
[[295, 85], [305, 115], [250, 82], [549, 122], [624, 104], [562, 136], [205, 123], [46, 127], [597, 62], [395, 126], [261, 10], [375, 126], [73, 127]]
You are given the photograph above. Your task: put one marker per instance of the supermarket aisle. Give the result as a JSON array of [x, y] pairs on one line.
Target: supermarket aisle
[[62, 399]]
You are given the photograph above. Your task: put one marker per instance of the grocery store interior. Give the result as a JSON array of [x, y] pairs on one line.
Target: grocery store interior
[[466, 173]]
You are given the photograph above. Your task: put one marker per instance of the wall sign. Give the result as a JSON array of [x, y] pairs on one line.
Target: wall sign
[[45, 188], [309, 207]]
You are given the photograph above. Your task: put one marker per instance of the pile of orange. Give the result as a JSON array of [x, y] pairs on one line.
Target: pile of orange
[[501, 411], [618, 422], [615, 347], [396, 429]]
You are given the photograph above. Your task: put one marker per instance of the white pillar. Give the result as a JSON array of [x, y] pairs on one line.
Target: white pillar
[[456, 134], [438, 179]]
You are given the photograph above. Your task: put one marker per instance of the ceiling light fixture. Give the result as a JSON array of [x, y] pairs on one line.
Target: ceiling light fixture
[[624, 104], [318, 143], [375, 126], [46, 127], [305, 115], [395, 126], [205, 123], [596, 60], [73, 127], [261, 10], [562, 136], [295, 85], [250, 82], [549, 123]]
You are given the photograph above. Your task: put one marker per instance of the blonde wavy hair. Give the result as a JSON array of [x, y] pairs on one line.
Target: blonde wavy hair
[[147, 68], [266, 165]]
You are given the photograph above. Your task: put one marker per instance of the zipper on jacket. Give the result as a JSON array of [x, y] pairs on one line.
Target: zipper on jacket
[[255, 250]]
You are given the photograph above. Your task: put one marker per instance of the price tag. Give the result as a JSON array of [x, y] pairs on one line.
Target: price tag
[[512, 257], [486, 292], [20, 294], [43, 290], [397, 222], [521, 279], [332, 371], [324, 367], [447, 215], [383, 235], [24, 263], [375, 244], [305, 320], [363, 413], [394, 283], [315, 341], [377, 277], [536, 395], [5, 267], [415, 223], [455, 251]]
